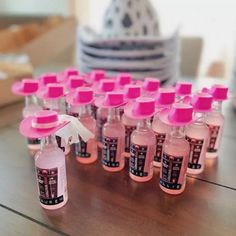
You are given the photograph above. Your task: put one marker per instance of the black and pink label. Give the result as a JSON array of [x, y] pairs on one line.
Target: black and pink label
[[138, 154], [214, 131], [160, 139], [100, 124], [47, 183], [195, 152], [171, 168], [33, 141], [109, 153], [128, 132], [59, 143], [81, 149]]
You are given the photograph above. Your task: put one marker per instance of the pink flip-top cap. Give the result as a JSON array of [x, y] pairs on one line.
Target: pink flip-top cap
[[123, 79], [202, 102], [165, 97], [151, 84], [219, 92], [105, 85], [183, 88], [48, 78], [25, 87], [97, 75], [81, 96], [141, 108], [132, 91], [75, 81]]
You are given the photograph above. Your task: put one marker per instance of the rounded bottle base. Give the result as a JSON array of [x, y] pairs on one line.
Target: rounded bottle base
[[140, 179], [194, 171], [172, 192], [55, 207], [211, 155], [83, 160], [113, 169], [156, 164]]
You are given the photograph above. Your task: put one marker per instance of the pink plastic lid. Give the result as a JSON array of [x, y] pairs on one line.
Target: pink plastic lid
[[165, 97], [132, 91], [97, 75], [151, 84], [183, 88], [202, 102], [75, 81], [48, 78], [219, 92], [123, 79], [25, 87], [105, 85]]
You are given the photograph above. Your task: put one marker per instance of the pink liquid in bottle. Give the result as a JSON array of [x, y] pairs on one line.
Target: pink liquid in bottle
[[86, 152], [30, 108], [215, 123], [161, 131], [142, 152], [113, 142], [197, 135], [130, 126], [174, 162], [58, 106], [51, 175], [102, 114]]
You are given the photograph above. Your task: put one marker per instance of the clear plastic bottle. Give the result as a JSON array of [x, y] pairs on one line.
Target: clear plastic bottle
[[86, 152], [30, 108], [142, 152], [174, 162], [161, 131], [113, 142], [197, 135], [215, 123], [51, 175], [102, 114], [130, 125]]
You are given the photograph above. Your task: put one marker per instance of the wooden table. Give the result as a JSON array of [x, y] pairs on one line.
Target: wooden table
[[102, 203]]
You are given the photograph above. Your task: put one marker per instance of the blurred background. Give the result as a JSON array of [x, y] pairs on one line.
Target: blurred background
[[46, 36]]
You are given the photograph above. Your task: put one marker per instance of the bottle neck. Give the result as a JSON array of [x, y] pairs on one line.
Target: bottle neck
[[49, 141], [177, 131], [143, 125], [84, 111], [113, 115], [199, 117], [30, 100], [217, 106], [54, 105]]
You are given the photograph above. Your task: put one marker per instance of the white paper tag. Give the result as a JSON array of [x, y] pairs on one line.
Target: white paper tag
[[71, 132]]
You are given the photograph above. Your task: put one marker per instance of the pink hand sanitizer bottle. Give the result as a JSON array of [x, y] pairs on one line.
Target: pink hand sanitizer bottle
[[182, 90], [165, 98], [48, 78], [122, 80], [95, 77], [150, 87], [215, 120], [113, 133], [197, 133], [49, 161], [104, 86], [131, 93], [143, 141], [82, 98], [28, 88], [175, 149], [53, 99]]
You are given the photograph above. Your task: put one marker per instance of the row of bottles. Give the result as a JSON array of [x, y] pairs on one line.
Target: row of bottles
[[170, 128]]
